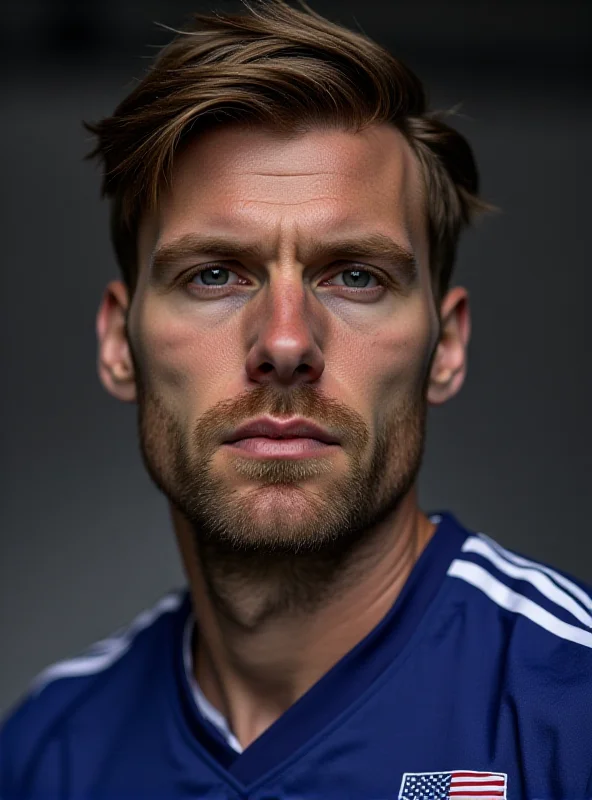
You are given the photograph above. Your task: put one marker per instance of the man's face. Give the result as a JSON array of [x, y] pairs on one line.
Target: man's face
[[298, 306]]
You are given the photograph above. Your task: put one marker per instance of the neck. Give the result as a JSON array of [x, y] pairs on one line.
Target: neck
[[267, 634]]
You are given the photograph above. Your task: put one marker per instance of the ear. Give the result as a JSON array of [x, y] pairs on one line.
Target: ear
[[449, 365], [115, 366]]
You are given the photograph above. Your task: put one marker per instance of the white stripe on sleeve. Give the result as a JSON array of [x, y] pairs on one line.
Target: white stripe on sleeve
[[109, 650], [571, 587], [475, 544], [505, 597]]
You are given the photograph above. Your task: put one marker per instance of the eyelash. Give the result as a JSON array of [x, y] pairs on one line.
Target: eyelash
[[382, 281]]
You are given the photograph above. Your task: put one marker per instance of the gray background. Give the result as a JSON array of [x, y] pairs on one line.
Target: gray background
[[86, 540]]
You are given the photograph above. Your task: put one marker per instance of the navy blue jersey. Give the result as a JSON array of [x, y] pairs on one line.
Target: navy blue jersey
[[476, 684]]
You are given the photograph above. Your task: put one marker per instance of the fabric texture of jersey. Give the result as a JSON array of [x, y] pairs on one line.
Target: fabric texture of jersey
[[476, 684]]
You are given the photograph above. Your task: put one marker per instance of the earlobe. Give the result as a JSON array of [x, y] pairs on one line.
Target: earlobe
[[115, 365], [449, 365]]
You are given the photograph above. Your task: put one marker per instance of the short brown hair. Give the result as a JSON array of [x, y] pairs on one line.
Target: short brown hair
[[289, 69]]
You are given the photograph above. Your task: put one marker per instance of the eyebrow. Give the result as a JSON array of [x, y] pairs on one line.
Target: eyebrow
[[372, 245]]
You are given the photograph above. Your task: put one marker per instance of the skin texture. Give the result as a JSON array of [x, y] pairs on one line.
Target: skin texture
[[290, 562]]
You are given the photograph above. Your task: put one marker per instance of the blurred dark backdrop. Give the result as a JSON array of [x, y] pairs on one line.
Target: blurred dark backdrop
[[86, 540]]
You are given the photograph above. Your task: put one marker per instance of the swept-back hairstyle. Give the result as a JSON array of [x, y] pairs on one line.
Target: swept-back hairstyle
[[289, 69]]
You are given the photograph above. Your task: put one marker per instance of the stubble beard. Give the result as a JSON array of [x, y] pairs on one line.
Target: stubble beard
[[283, 544]]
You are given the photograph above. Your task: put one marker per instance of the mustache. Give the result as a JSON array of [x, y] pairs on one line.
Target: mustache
[[216, 424]]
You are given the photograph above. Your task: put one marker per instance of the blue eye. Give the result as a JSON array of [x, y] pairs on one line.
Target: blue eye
[[355, 278], [359, 278], [219, 276]]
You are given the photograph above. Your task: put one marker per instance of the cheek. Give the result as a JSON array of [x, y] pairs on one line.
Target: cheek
[[392, 363], [182, 360]]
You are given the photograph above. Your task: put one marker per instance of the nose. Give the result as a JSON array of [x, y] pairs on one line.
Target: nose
[[285, 332]]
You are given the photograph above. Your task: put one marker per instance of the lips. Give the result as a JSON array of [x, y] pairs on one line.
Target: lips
[[282, 429]]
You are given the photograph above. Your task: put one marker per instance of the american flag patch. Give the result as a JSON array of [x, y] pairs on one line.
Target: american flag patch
[[457, 785]]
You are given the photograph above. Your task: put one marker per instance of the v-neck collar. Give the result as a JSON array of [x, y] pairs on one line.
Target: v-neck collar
[[345, 682]]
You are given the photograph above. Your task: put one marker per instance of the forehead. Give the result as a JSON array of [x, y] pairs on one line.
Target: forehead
[[266, 185]]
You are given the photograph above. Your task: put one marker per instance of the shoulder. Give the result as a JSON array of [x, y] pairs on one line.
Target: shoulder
[[523, 633], [61, 691], [547, 606]]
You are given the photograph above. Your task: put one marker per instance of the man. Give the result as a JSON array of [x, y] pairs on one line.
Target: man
[[286, 215]]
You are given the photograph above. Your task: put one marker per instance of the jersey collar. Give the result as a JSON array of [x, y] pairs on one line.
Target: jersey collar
[[345, 683]]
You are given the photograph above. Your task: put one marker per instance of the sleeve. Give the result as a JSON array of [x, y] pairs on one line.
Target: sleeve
[[31, 756], [8, 789]]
